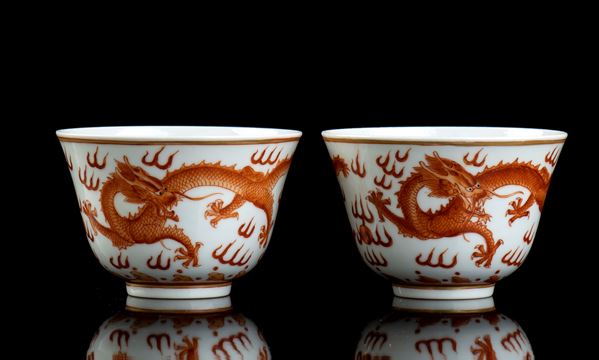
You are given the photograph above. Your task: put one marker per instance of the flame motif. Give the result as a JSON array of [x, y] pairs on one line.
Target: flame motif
[[512, 339], [514, 258], [94, 163], [474, 161], [155, 159], [119, 262], [358, 168], [404, 157], [440, 260], [375, 260], [383, 164], [121, 336], [156, 339], [69, 160], [260, 160], [158, 263], [365, 236], [381, 182], [529, 235], [373, 338], [263, 355], [91, 183], [245, 230], [428, 345], [233, 260], [236, 340], [361, 212], [551, 157]]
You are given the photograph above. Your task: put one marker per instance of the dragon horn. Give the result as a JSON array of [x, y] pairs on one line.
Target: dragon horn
[[436, 154], [425, 167], [141, 176], [431, 171]]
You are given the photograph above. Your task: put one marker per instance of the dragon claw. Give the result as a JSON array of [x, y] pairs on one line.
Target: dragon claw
[[215, 210], [483, 218], [189, 256], [483, 256], [88, 209], [517, 211], [376, 198]]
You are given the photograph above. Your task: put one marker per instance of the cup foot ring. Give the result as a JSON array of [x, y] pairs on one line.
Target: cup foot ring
[[444, 292], [176, 291]]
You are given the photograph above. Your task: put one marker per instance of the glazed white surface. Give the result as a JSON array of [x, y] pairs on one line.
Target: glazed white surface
[[444, 294], [182, 306], [401, 255], [190, 212], [179, 293], [444, 306]]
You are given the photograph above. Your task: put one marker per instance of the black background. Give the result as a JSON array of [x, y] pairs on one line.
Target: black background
[[311, 294]]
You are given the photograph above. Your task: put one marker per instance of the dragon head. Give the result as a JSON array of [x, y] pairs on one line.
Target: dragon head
[[141, 187], [447, 178]]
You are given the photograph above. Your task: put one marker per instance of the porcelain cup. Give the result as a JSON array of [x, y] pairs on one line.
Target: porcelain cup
[[444, 212], [178, 212]]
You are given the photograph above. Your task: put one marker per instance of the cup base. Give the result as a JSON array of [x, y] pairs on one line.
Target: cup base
[[179, 306], [444, 306], [165, 291], [444, 292]]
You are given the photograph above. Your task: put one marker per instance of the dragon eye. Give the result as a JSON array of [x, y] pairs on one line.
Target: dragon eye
[[469, 189], [478, 186]]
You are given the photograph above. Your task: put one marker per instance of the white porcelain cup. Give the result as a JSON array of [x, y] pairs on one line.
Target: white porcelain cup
[[178, 212], [444, 212]]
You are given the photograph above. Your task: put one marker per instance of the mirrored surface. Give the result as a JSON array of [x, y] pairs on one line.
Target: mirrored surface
[[178, 333], [416, 329]]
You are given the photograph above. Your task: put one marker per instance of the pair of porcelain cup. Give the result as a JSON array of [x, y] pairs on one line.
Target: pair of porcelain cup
[[179, 212]]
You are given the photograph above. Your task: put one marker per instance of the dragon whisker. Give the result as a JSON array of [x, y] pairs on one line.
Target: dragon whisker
[[195, 198], [164, 246], [505, 196]]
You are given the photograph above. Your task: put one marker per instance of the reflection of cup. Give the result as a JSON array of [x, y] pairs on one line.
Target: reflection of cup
[[178, 335], [444, 213], [178, 212], [435, 333]]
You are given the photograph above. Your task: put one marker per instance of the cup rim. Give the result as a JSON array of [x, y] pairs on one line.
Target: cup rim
[[446, 135], [177, 135]]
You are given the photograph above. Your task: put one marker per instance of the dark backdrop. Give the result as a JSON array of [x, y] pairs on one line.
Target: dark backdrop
[[311, 294]]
